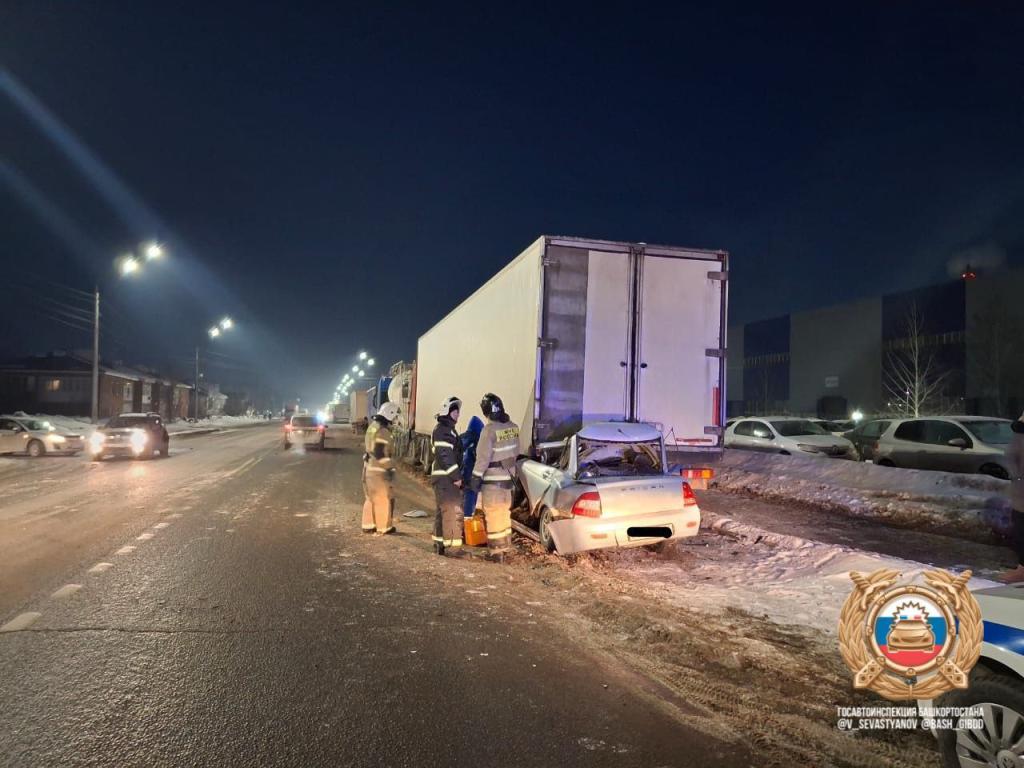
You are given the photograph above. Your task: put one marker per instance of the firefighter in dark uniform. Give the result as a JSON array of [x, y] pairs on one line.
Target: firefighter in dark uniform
[[496, 454], [446, 476], [379, 473]]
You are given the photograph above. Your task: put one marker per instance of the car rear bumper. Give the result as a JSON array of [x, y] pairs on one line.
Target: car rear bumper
[[582, 534], [313, 438]]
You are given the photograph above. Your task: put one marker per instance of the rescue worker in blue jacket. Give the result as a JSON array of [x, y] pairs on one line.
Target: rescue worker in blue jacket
[[470, 438], [446, 476], [495, 465]]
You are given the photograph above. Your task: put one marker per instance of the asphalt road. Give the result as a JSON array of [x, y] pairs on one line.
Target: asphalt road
[[220, 607]]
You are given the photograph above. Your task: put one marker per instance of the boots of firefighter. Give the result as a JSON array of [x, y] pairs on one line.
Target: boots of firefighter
[[497, 502]]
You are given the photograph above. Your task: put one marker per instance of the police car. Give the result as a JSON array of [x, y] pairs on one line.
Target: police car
[[997, 687]]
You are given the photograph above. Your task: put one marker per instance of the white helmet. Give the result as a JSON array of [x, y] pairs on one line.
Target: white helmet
[[388, 411], [449, 405]]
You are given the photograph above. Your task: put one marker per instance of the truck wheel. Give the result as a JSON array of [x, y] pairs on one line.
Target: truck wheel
[[1001, 699], [542, 529], [35, 449]]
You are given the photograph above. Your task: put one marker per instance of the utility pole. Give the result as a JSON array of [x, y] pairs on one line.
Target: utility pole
[[96, 356], [195, 391]]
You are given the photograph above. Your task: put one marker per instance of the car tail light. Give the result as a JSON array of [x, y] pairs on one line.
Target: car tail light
[[702, 473], [689, 500], [588, 505], [322, 428], [287, 427]]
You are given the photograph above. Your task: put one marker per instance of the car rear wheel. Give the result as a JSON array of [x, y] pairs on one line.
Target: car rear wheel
[[35, 449], [97, 457], [545, 533], [1001, 699], [994, 470], [165, 449]]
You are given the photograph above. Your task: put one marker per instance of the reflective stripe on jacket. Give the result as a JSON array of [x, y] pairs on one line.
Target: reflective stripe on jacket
[[446, 449], [497, 451], [378, 448]]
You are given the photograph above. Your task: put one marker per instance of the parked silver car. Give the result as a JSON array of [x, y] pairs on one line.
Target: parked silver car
[[609, 488], [787, 435], [36, 437], [974, 444]]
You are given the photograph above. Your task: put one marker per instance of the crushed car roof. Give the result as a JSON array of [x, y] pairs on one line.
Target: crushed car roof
[[623, 432]]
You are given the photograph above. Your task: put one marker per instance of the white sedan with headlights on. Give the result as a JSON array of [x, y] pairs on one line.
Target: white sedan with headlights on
[[36, 437], [608, 488], [135, 435]]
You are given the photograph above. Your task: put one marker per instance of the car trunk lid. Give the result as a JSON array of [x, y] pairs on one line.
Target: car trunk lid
[[638, 495]]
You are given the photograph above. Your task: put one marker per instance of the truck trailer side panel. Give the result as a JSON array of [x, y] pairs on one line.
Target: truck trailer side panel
[[486, 344]]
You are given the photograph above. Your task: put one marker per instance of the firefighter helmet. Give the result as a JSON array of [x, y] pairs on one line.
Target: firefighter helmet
[[491, 405], [450, 404], [388, 411]]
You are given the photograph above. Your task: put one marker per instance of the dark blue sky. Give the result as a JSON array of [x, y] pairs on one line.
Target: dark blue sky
[[342, 176]]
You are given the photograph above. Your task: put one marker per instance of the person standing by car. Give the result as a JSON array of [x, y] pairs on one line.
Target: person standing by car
[[470, 438], [379, 473], [1015, 458], [492, 473], [445, 474]]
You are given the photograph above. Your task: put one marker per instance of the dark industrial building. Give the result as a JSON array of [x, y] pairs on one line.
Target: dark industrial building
[[832, 361]]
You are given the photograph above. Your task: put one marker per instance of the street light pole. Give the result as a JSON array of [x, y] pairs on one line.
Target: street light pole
[[96, 356], [195, 391]]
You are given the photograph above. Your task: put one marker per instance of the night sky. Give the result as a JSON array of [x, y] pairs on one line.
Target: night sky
[[337, 177]]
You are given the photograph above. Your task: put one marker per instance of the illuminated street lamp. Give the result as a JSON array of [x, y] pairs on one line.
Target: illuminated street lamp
[[154, 251], [214, 332], [370, 362], [362, 355], [129, 265], [226, 324], [355, 369], [362, 373]]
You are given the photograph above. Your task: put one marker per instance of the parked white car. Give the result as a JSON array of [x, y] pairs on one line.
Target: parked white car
[[996, 685], [787, 435], [36, 437], [609, 488]]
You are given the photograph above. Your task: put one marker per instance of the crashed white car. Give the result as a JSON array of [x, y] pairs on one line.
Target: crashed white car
[[609, 488]]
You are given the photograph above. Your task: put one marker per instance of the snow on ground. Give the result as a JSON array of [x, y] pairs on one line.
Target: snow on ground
[[903, 497], [81, 424], [734, 566]]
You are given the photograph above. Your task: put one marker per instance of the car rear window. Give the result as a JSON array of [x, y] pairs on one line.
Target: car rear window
[[303, 421], [600, 458], [874, 428]]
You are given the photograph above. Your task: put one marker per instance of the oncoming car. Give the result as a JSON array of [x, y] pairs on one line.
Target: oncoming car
[[608, 489], [36, 437], [304, 431], [996, 686], [137, 435]]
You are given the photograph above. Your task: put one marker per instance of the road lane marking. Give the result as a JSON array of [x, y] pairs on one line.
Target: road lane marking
[[125, 550], [66, 591], [101, 567], [242, 468], [144, 536], [175, 515], [20, 622], [161, 525]]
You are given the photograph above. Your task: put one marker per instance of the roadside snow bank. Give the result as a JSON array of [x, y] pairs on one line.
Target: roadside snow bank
[[733, 566], [971, 504], [81, 424]]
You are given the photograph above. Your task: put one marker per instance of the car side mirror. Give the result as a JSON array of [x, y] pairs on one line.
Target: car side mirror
[[958, 442]]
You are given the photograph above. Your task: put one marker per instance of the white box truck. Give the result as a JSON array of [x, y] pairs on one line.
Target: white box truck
[[575, 331]]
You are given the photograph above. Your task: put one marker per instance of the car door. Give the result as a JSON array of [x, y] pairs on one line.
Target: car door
[[742, 436], [866, 436], [8, 436], [939, 454], [763, 438], [908, 446]]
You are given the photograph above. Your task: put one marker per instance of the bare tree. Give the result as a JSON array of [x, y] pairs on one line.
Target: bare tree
[[913, 378]]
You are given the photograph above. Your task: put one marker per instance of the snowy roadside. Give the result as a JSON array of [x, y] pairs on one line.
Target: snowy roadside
[[81, 424], [941, 501]]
